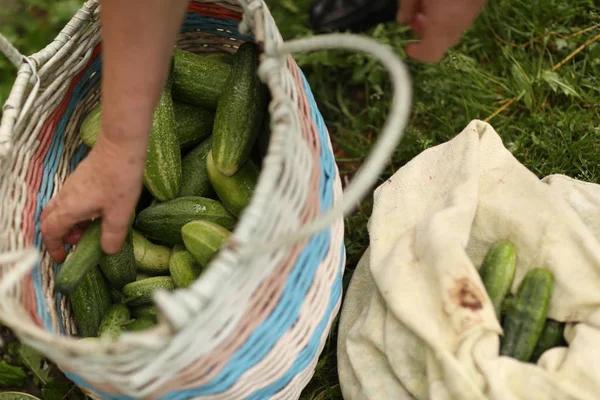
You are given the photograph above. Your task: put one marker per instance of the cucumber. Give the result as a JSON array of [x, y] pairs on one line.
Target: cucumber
[[162, 171], [116, 296], [198, 80], [498, 272], [151, 259], [142, 323], [203, 239], [183, 267], [192, 124], [164, 221], [552, 336], [234, 191], [139, 293], [144, 201], [507, 304], [120, 268], [144, 311], [239, 113], [225, 58], [113, 321], [87, 254], [90, 301], [525, 320], [194, 178], [90, 127]]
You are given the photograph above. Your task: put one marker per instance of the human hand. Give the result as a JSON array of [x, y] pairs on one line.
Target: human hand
[[107, 185], [438, 23]]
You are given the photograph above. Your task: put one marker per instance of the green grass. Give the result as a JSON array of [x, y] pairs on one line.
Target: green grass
[[551, 126]]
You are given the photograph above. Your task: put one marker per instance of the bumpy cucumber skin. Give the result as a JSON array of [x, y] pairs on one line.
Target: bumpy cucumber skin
[[498, 272], [194, 178], [150, 258], [162, 171], [113, 321], [144, 311], [552, 336], [139, 293], [192, 124], [90, 127], [198, 80], [240, 112], [142, 323], [234, 191], [525, 320], [203, 239], [90, 302], [183, 267], [86, 255], [225, 58], [120, 268], [163, 221]]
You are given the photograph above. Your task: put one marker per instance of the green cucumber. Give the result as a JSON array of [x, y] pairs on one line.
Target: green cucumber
[[151, 259], [164, 221], [507, 304], [234, 191], [139, 293], [198, 80], [113, 321], [162, 171], [90, 127], [525, 320], [183, 267], [203, 239], [552, 336], [142, 323], [90, 301], [192, 124], [239, 113], [120, 268], [144, 201], [225, 58], [498, 272], [87, 254], [144, 311], [194, 178]]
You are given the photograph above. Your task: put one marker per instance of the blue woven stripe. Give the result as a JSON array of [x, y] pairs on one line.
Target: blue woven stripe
[[51, 162], [194, 22]]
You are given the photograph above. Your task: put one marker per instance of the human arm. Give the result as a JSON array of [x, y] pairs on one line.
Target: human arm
[[439, 24], [138, 40]]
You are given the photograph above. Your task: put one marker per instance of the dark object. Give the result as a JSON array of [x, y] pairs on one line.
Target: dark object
[[353, 15]]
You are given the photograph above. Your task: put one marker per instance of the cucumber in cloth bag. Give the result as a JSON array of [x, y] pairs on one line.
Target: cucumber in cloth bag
[[417, 322], [253, 324]]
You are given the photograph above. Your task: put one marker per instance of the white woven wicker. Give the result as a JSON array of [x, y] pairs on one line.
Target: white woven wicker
[[253, 325]]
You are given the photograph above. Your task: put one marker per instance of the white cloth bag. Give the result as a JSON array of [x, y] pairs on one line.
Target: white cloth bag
[[417, 323]]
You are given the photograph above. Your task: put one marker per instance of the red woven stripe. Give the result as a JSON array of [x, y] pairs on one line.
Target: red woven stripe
[[214, 11], [34, 180]]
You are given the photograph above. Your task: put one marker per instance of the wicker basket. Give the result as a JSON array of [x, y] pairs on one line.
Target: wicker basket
[[253, 325]]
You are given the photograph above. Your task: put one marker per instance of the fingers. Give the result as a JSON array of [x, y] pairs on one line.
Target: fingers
[[58, 219], [114, 229], [440, 25], [56, 223], [407, 9]]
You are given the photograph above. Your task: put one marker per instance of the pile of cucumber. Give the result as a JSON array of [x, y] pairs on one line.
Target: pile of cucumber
[[528, 332], [209, 136]]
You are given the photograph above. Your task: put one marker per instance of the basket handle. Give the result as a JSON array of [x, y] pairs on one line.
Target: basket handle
[[10, 51], [392, 133]]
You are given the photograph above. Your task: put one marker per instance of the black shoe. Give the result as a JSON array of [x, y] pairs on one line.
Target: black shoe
[[353, 15]]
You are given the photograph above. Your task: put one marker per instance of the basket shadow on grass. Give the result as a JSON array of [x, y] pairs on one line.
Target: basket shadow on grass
[[532, 72]]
